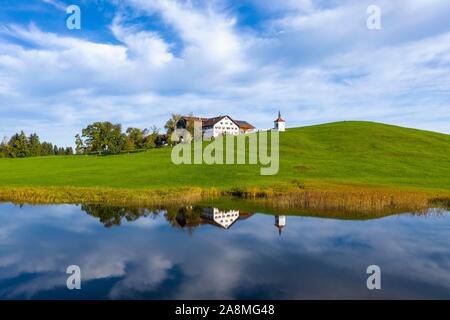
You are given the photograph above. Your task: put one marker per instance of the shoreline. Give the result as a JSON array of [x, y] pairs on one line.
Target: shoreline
[[362, 200]]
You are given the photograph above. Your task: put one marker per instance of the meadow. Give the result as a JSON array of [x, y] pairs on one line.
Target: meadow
[[354, 157]]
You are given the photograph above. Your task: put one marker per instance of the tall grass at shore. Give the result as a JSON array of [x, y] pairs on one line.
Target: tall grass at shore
[[107, 196], [356, 201]]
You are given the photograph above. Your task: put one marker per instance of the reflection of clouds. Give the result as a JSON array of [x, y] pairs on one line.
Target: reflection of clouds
[[214, 272], [4, 233], [403, 246], [149, 273], [314, 258], [149, 222], [67, 217], [409, 247], [33, 286], [102, 262], [7, 260]]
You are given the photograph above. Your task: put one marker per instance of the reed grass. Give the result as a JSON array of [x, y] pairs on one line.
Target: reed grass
[[365, 202], [107, 196]]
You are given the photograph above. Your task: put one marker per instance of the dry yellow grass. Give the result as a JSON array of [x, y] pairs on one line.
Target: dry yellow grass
[[348, 199], [107, 196]]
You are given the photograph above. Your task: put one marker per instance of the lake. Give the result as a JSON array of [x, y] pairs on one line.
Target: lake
[[209, 253]]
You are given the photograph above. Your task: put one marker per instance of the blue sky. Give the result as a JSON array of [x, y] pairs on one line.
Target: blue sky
[[136, 61]]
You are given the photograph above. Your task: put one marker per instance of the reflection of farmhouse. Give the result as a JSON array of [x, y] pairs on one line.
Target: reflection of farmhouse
[[193, 216], [280, 223], [223, 219], [213, 127]]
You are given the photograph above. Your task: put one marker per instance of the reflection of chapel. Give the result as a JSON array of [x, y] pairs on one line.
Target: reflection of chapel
[[280, 223]]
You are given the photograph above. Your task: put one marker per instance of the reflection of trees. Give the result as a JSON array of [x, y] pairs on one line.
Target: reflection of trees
[[185, 217], [188, 217], [113, 215]]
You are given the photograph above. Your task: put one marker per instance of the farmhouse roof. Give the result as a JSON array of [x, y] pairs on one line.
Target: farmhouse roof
[[244, 124], [212, 121], [192, 118], [209, 122]]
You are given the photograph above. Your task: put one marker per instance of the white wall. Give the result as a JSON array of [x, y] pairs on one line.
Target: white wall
[[248, 131], [280, 126], [226, 126]]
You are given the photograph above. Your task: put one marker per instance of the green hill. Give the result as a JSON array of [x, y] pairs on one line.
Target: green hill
[[321, 156]]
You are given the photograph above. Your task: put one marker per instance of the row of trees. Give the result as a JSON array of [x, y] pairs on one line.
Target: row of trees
[[96, 138], [105, 137], [21, 146]]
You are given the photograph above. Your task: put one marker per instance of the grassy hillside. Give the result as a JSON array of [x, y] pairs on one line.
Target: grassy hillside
[[322, 156]]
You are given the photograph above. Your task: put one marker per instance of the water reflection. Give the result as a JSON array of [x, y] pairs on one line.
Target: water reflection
[[187, 217], [221, 218], [280, 223], [113, 215], [232, 254]]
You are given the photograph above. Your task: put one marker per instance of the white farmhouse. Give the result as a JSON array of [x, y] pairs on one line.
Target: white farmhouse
[[213, 127], [218, 126]]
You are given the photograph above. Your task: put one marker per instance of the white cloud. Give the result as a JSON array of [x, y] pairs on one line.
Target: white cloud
[[57, 4]]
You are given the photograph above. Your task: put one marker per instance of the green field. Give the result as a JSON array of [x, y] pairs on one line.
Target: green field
[[322, 156]]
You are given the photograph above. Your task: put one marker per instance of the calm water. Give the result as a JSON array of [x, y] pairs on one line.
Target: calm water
[[198, 253]]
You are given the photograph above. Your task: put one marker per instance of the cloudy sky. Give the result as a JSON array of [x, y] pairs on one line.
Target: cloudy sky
[[136, 61]]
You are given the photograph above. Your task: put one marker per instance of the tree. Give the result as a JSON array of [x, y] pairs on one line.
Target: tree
[[4, 148], [103, 137], [135, 139], [171, 124], [34, 145], [68, 151], [129, 145], [190, 125], [138, 139], [151, 141], [47, 149], [18, 146], [61, 151], [80, 147]]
